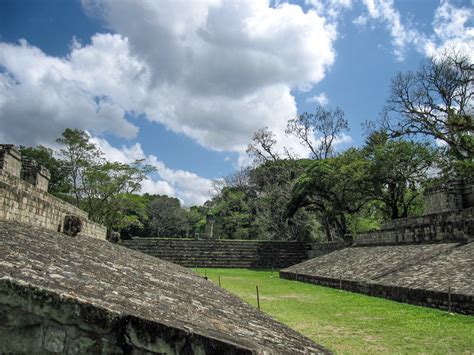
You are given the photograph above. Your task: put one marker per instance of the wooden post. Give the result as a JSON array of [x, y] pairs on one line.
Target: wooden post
[[340, 282], [258, 298], [219, 280], [449, 299]]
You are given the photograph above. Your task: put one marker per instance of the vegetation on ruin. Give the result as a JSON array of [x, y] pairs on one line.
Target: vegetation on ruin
[[350, 323]]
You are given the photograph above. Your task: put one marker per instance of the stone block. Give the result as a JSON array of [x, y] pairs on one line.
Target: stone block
[[10, 160], [54, 340]]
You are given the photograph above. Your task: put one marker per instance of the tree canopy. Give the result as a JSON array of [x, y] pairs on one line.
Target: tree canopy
[[436, 101]]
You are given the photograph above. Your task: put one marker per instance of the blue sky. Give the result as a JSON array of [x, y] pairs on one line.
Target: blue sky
[[184, 84]]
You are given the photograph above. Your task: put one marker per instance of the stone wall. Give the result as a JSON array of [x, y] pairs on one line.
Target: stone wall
[[35, 174], [35, 322], [223, 253], [89, 296], [10, 159], [320, 249], [432, 275], [453, 302], [433, 228], [28, 201], [451, 196]]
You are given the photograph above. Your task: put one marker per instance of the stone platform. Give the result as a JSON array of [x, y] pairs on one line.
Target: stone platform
[[85, 295], [433, 275], [223, 253]]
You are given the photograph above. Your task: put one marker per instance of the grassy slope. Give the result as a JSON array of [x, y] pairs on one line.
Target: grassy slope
[[351, 323]]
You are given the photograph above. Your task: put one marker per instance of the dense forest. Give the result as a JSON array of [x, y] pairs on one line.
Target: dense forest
[[424, 136]]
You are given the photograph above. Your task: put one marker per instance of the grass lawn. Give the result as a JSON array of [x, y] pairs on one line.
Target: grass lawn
[[349, 323]]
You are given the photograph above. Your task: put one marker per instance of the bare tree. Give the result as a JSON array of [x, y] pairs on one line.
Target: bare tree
[[239, 179], [436, 101], [262, 146], [318, 130]]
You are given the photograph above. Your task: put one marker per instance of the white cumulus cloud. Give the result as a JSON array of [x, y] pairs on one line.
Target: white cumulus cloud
[[215, 71], [220, 70], [41, 95], [321, 99]]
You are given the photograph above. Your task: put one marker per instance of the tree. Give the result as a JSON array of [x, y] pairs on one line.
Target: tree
[[273, 183], [105, 187], [58, 184], [262, 146], [78, 155], [397, 171], [238, 179], [234, 214], [436, 101], [99, 186], [197, 220], [166, 218], [133, 219], [334, 188], [318, 130]]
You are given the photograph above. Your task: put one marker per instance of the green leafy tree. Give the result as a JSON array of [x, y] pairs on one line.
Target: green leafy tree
[[197, 220], [334, 188], [78, 155], [233, 214], [59, 183], [167, 218], [398, 170], [133, 219], [273, 184], [105, 187], [99, 186]]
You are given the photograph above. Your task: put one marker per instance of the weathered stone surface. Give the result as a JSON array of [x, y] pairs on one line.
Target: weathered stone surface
[[223, 253], [85, 294], [10, 159], [419, 274], [23, 202], [452, 269], [72, 225], [448, 226], [320, 249], [451, 196]]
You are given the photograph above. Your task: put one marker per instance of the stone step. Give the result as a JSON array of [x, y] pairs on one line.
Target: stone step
[[197, 253]]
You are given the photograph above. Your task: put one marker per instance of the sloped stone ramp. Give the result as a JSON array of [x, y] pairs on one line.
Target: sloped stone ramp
[[84, 295], [432, 275]]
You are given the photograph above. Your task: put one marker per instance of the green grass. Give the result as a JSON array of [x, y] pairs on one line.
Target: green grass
[[350, 323]]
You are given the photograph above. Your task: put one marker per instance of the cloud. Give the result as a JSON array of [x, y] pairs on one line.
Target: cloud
[[41, 95], [215, 71], [385, 12], [321, 99], [220, 70], [331, 8], [190, 188], [451, 30]]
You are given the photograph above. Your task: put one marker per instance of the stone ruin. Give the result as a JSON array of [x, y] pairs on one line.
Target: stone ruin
[[87, 296], [449, 217], [24, 198], [72, 225], [427, 260]]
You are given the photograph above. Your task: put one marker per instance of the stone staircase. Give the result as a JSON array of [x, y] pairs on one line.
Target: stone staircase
[[225, 253]]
